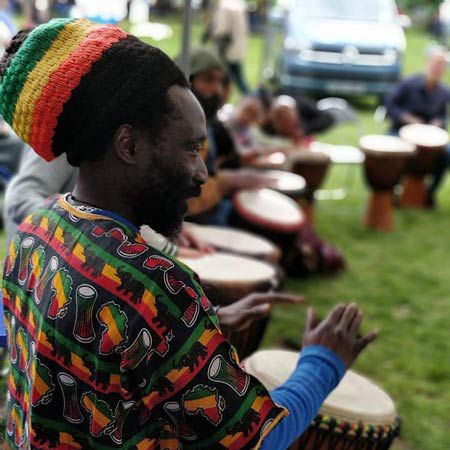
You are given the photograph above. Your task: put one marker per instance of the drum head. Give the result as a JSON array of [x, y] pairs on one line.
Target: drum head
[[385, 146], [422, 135], [233, 240], [309, 157], [339, 154], [276, 160], [356, 399], [222, 269], [270, 209], [286, 182]]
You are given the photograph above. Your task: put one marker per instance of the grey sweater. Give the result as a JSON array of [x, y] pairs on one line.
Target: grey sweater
[[35, 181]]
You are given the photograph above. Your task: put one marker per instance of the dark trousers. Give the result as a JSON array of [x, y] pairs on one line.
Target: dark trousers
[[237, 75], [442, 164]]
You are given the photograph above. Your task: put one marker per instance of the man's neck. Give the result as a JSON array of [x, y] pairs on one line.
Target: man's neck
[[102, 192], [430, 84]]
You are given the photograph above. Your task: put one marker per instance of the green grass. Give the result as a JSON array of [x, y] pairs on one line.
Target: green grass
[[400, 279]]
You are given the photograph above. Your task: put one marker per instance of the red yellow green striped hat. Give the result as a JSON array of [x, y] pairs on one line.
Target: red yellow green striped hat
[[43, 73]]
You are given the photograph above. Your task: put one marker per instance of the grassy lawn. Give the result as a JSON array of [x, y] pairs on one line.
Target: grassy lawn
[[400, 279]]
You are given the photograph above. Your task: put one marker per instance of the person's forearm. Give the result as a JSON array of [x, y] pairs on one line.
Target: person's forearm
[[318, 372]]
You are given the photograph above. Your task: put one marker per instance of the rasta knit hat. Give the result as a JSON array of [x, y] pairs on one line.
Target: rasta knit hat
[[67, 85]]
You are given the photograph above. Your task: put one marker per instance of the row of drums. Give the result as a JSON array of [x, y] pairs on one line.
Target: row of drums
[[414, 155], [358, 415], [387, 159]]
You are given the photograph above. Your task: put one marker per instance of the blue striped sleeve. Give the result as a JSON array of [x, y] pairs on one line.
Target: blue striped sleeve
[[318, 372]]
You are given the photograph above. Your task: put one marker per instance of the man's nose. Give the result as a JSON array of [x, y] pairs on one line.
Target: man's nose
[[201, 172]]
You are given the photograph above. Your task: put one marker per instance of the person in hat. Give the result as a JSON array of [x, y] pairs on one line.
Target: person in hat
[[213, 207], [113, 343]]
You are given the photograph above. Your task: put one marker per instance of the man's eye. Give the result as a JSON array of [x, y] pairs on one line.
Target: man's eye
[[196, 148]]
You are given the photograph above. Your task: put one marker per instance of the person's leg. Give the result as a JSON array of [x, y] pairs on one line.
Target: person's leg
[[236, 72], [442, 163]]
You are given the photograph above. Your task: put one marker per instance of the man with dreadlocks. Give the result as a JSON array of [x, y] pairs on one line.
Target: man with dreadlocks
[[113, 343]]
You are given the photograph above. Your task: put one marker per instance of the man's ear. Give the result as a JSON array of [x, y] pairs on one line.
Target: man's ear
[[124, 144]]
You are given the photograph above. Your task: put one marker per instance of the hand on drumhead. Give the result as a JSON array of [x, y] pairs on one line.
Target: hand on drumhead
[[237, 180], [409, 118], [189, 241], [339, 332], [239, 315]]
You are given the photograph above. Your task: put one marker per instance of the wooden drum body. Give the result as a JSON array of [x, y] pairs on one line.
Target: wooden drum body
[[268, 213], [313, 167], [385, 163], [430, 141], [227, 278], [357, 415]]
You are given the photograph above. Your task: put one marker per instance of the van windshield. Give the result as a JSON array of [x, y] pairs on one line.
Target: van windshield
[[373, 10]]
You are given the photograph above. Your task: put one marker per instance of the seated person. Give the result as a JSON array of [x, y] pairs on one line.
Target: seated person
[[212, 207], [110, 346], [312, 119], [423, 98], [284, 120], [228, 156]]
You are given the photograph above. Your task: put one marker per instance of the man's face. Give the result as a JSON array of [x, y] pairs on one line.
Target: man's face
[[207, 87], [285, 121], [436, 67], [249, 112], [172, 171]]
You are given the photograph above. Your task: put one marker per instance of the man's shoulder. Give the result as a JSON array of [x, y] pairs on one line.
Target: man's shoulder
[[413, 80]]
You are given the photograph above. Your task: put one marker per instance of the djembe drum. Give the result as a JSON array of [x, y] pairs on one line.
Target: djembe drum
[[239, 242], [268, 213], [227, 278], [357, 415], [287, 183], [271, 161], [313, 167], [385, 162], [430, 141]]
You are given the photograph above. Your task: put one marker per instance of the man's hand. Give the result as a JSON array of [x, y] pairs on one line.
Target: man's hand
[[242, 313], [237, 180], [437, 123], [339, 332], [189, 240], [409, 118]]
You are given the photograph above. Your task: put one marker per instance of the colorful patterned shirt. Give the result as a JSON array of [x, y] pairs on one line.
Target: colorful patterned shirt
[[114, 344]]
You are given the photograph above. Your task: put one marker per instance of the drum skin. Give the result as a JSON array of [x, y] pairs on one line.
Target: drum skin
[[281, 234], [228, 240]]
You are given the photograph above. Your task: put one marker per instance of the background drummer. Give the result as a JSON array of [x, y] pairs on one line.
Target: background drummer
[[423, 98], [212, 207]]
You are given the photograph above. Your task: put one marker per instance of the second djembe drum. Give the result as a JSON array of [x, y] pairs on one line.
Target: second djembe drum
[[227, 278], [430, 141], [313, 167], [385, 162]]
